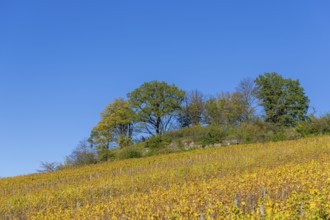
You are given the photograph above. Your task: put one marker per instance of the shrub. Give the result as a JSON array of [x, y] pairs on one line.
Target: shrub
[[158, 141], [212, 135], [105, 155], [252, 132], [47, 167], [83, 154], [260, 131], [314, 126], [129, 152]]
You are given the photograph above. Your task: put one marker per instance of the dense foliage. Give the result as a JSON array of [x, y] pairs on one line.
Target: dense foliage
[[159, 118], [116, 127], [156, 104], [284, 100]]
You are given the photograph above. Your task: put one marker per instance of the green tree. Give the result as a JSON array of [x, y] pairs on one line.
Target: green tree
[[192, 109], [314, 125], [116, 126], [156, 104], [283, 100], [120, 117], [225, 110], [101, 139]]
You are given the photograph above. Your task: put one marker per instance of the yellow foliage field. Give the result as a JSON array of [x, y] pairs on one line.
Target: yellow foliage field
[[283, 180]]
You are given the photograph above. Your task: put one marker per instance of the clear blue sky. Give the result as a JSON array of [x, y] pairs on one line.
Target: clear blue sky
[[62, 62]]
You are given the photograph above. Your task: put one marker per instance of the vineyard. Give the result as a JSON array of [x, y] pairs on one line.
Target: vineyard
[[282, 180]]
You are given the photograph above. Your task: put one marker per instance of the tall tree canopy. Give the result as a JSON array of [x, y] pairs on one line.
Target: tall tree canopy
[[225, 110], [156, 103], [116, 125], [192, 109], [283, 100]]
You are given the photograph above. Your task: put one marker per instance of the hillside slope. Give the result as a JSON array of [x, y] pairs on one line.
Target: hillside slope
[[288, 179]]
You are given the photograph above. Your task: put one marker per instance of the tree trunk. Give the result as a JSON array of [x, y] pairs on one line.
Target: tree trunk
[[158, 126]]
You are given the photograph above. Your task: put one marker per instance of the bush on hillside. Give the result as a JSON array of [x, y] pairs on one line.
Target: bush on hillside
[[212, 135], [157, 141], [129, 152], [82, 155], [195, 132], [105, 155], [47, 167], [208, 135], [314, 126]]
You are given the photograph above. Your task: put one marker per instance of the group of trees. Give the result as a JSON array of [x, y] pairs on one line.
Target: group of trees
[[150, 110], [253, 111], [157, 107], [267, 108]]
